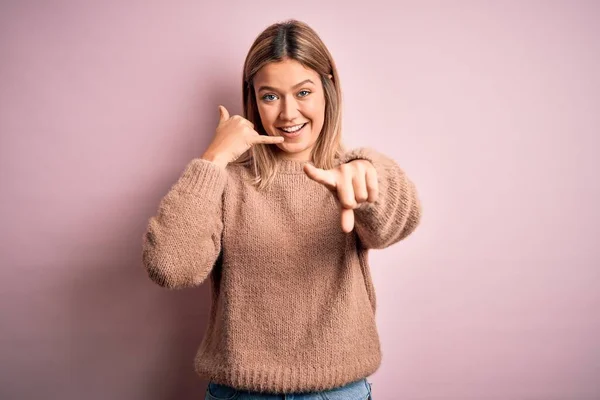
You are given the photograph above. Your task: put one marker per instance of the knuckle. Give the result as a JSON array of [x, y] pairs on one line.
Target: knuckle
[[362, 197], [359, 165], [349, 202], [345, 167]]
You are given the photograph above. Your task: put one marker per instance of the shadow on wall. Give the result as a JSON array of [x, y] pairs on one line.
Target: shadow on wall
[[130, 338]]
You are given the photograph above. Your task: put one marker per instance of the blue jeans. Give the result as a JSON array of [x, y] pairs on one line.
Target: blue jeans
[[359, 390]]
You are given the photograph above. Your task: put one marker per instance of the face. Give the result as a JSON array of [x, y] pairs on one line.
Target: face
[[291, 103]]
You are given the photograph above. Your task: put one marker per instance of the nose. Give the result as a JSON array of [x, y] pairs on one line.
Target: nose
[[289, 109]]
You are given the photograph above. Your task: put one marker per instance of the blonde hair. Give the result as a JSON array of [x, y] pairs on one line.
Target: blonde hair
[[294, 40]]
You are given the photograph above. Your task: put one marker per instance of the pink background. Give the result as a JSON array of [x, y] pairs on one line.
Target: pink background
[[491, 107]]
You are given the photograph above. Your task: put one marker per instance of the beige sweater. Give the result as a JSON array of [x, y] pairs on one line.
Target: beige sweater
[[293, 303]]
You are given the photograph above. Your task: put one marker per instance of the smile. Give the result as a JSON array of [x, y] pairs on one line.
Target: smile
[[291, 129]]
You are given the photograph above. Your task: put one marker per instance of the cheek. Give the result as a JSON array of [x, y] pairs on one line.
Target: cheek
[[315, 111], [267, 115]]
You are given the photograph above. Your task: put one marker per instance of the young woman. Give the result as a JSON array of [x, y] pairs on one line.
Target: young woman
[[279, 218]]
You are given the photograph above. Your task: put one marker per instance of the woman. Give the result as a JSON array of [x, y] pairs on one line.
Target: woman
[[279, 218]]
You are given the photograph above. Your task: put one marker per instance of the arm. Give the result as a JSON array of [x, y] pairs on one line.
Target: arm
[[182, 242], [397, 211]]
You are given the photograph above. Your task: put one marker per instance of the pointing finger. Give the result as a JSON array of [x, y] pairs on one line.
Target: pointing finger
[[347, 220]]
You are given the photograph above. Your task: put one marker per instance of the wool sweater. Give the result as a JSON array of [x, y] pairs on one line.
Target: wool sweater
[[292, 299]]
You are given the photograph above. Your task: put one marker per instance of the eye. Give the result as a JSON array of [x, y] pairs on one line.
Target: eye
[[269, 97], [304, 91]]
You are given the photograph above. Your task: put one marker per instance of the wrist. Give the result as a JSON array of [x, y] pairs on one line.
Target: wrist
[[215, 158]]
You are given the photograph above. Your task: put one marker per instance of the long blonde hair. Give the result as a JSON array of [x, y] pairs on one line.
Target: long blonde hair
[[295, 40]]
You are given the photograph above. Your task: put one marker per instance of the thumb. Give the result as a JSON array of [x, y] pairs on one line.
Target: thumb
[[223, 114], [324, 177]]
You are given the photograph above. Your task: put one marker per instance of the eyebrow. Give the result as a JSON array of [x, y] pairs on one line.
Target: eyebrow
[[293, 87]]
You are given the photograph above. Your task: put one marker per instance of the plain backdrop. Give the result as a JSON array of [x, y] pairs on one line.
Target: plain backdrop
[[491, 107]]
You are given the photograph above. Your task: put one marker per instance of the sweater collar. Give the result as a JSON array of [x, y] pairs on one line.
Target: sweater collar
[[287, 166]]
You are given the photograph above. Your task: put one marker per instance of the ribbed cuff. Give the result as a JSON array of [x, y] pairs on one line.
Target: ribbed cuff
[[202, 177], [364, 153]]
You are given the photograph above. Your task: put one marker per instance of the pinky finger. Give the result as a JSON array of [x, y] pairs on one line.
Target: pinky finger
[[372, 185]]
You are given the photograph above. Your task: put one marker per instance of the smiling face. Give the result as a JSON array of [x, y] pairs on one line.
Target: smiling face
[[291, 103]]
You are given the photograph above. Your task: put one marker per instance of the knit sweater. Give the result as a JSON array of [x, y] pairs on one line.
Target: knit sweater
[[293, 303]]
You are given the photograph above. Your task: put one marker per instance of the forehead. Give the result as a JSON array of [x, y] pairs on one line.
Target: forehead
[[284, 74]]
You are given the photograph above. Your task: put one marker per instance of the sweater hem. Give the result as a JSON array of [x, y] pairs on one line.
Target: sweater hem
[[288, 379]]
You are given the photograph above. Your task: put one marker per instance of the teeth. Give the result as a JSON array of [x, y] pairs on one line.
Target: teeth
[[292, 128]]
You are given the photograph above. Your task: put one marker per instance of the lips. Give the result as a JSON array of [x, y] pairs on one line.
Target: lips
[[301, 126], [292, 135]]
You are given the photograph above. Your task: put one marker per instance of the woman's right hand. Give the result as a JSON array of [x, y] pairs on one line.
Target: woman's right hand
[[234, 136]]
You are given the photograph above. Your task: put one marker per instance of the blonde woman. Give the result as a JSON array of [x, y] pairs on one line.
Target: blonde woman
[[278, 217]]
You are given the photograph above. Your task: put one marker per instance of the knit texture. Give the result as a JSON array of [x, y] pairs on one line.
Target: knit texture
[[293, 303]]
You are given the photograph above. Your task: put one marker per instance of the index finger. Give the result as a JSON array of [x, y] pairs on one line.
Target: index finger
[[266, 139], [347, 220]]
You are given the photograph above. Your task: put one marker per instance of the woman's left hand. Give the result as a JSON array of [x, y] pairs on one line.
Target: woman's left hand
[[354, 182]]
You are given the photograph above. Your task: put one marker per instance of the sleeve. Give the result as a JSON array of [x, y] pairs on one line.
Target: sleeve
[[183, 240], [396, 212]]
